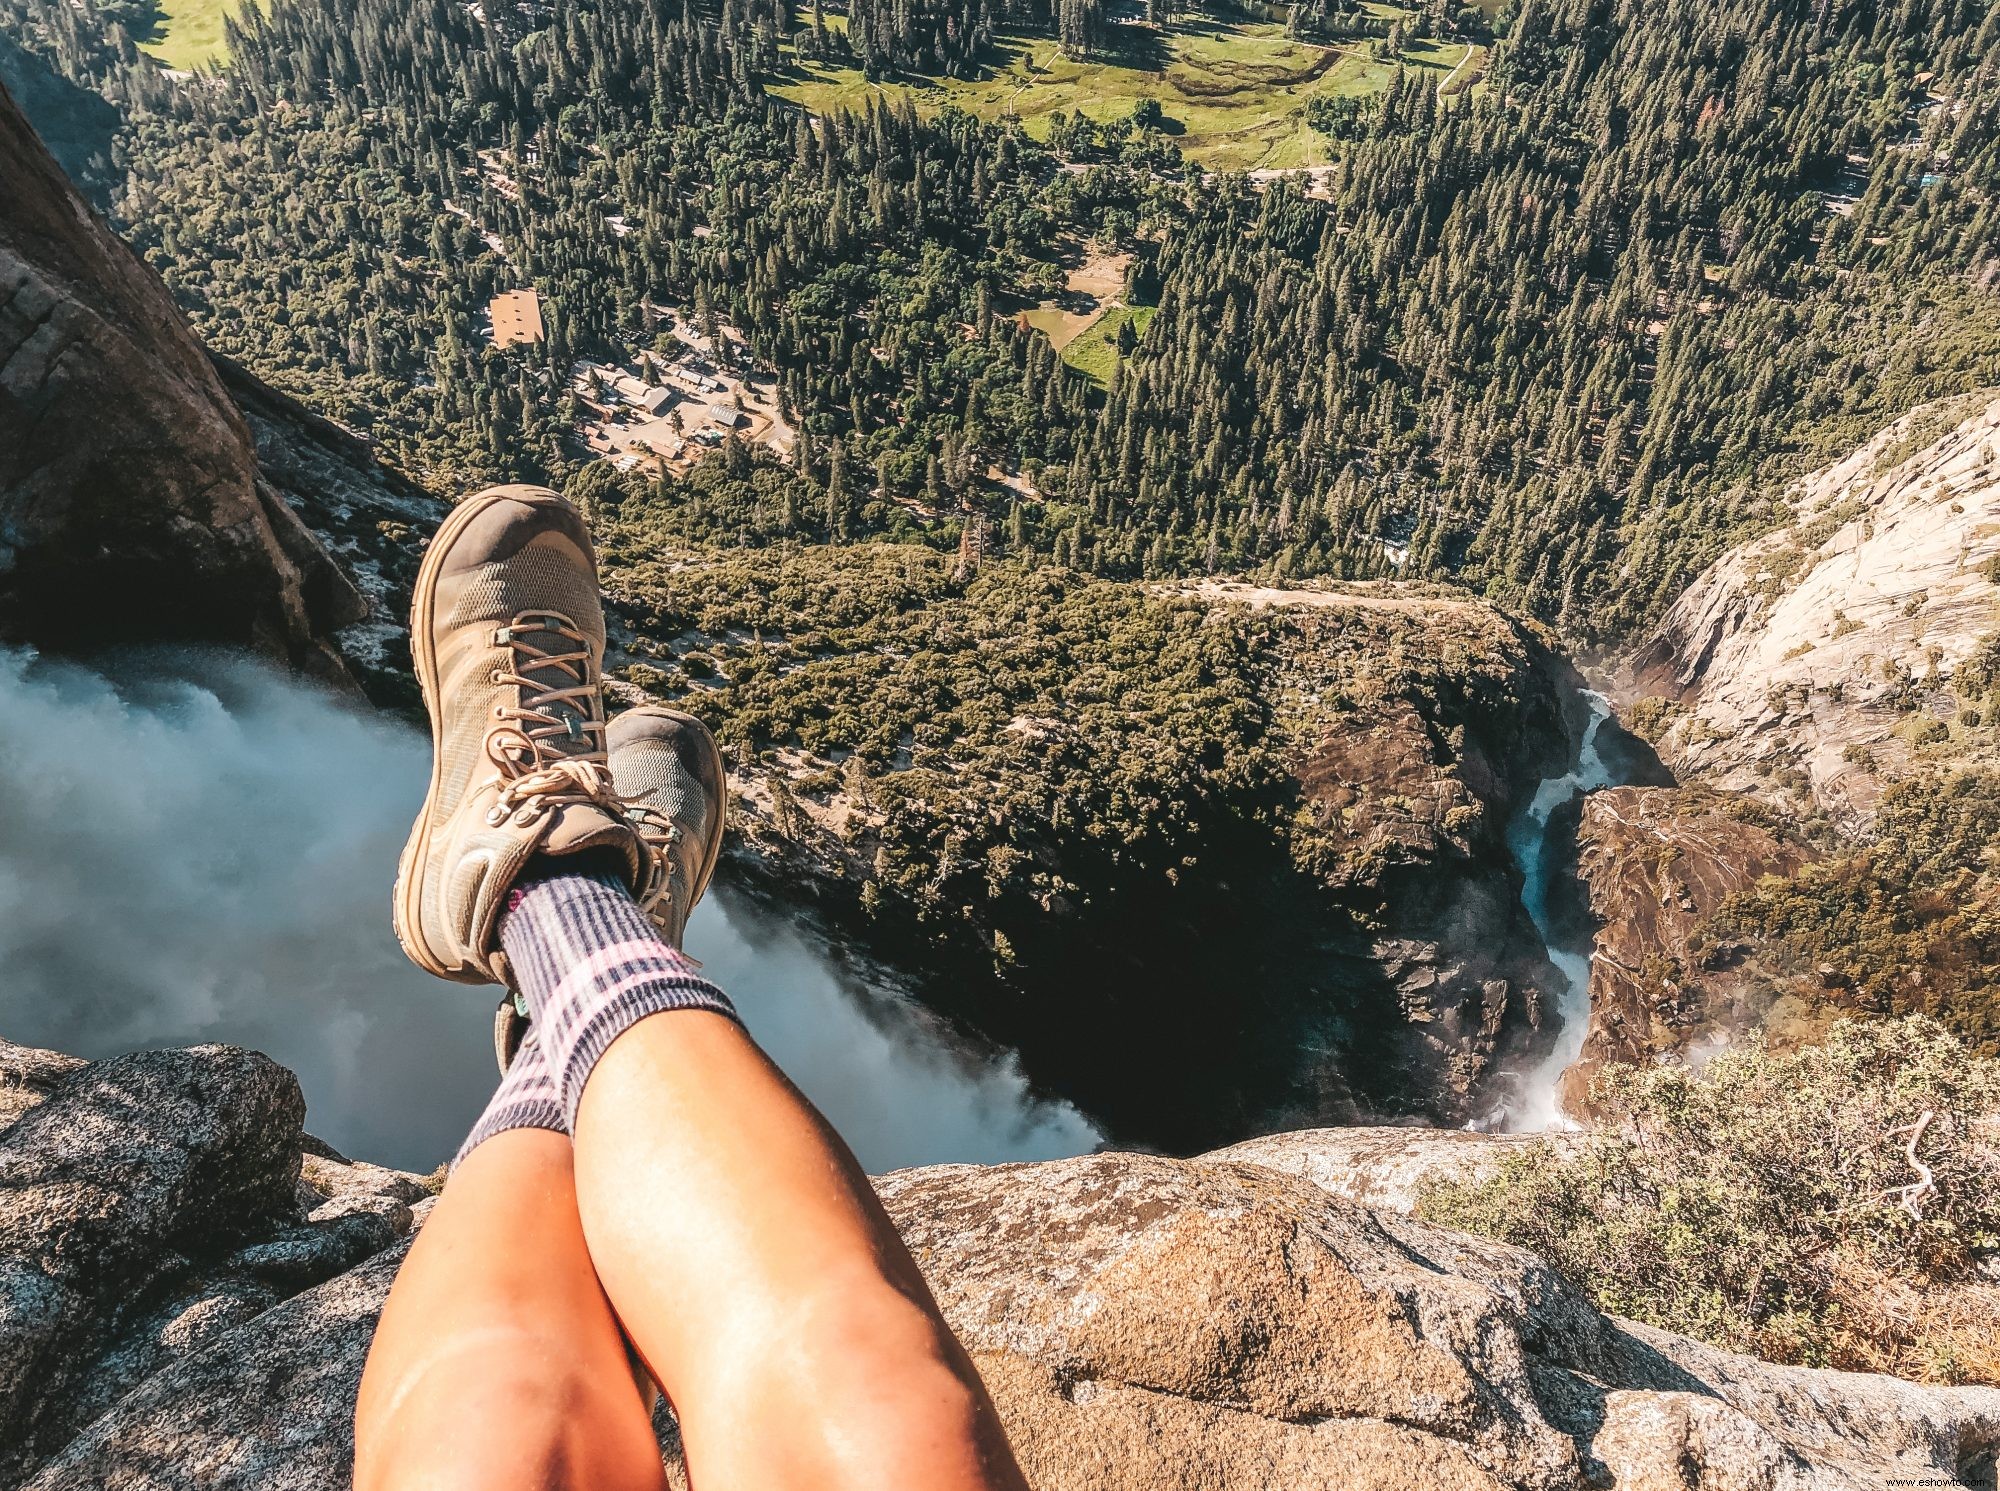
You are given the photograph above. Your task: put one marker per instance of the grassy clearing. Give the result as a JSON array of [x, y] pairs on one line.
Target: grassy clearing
[[190, 33], [1233, 93], [1095, 352], [1047, 319]]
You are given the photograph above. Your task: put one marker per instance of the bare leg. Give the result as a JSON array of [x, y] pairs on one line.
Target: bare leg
[[735, 1236], [498, 1365], [752, 1264]]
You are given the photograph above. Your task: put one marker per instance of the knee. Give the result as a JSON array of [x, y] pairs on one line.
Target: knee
[[513, 1415], [876, 1356], [859, 1384]]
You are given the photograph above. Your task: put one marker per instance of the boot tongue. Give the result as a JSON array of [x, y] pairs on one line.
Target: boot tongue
[[583, 828]]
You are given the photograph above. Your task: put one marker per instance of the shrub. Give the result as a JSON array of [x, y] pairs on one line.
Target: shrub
[[1911, 917], [1768, 1203], [1650, 717]]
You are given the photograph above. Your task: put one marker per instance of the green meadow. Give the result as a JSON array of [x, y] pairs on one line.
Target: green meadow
[[190, 33], [1095, 352], [1233, 92]]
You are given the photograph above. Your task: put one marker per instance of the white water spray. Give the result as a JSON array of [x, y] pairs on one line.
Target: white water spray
[[1537, 1104], [197, 849]]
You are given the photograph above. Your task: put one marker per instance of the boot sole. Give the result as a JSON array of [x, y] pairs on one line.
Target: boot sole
[[423, 658]]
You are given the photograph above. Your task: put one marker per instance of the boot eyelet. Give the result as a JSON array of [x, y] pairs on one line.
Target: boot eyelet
[[499, 711], [495, 817], [523, 817], [496, 676]]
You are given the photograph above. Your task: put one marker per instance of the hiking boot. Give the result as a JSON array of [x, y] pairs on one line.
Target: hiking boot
[[669, 774], [668, 771], [507, 633]]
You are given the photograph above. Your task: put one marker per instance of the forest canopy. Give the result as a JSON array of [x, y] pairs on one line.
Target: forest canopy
[[1556, 337]]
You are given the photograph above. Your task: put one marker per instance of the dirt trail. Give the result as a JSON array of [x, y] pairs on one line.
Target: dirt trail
[[1355, 595], [1033, 73], [1466, 57]]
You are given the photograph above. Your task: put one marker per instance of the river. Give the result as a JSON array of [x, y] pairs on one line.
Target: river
[[1536, 1103], [195, 848]]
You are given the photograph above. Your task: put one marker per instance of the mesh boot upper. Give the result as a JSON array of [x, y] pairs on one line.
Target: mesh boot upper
[[667, 766]]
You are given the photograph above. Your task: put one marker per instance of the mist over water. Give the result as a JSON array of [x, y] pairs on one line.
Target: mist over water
[[196, 848]]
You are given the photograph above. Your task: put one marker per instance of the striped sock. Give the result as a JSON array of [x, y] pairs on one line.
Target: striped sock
[[591, 966], [525, 1099]]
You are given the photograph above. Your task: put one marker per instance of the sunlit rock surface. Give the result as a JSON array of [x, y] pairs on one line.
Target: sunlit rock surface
[[190, 1287], [1804, 665]]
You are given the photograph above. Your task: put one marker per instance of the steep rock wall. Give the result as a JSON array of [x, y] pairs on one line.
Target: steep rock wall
[[1804, 666], [131, 501]]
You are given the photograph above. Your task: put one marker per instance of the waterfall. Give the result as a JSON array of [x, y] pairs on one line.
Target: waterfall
[[1536, 1103]]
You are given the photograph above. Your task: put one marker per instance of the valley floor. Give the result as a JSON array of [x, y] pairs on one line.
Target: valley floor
[[190, 33], [1234, 93]]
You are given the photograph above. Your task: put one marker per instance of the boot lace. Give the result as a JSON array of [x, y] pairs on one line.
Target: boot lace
[[549, 747], [662, 838]]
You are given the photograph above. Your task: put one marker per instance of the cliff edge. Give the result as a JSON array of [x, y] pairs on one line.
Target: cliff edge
[[188, 1286]]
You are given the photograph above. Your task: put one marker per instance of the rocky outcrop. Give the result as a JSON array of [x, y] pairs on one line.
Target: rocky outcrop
[[1419, 724], [1810, 665], [1350, 895], [1146, 1322], [149, 1205], [1227, 1322], [28, 1075], [132, 505], [1383, 1169], [268, 1406], [1655, 863]]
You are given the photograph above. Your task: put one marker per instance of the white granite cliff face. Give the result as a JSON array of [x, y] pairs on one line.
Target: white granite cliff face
[[1806, 664], [195, 1287]]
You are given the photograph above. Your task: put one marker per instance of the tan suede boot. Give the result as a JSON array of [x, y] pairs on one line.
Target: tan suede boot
[[668, 770], [507, 633], [669, 774]]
